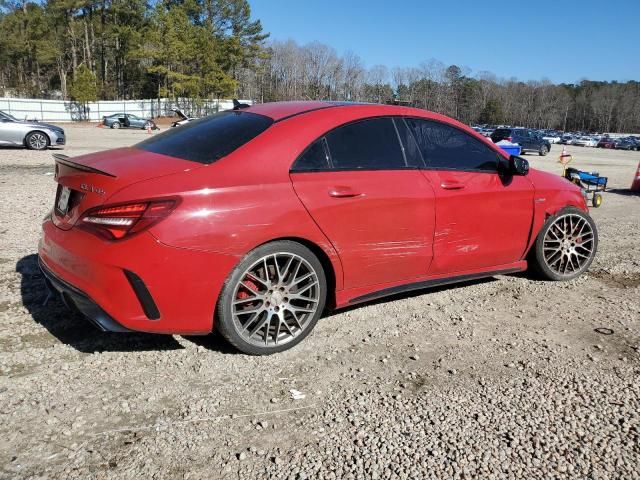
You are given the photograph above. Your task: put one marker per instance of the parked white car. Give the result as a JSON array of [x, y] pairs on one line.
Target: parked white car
[[585, 142], [552, 138]]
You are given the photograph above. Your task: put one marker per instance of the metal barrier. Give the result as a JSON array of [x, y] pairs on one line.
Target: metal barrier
[[68, 111]]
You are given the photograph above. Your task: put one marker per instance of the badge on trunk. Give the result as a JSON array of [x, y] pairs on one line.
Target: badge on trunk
[[63, 200]]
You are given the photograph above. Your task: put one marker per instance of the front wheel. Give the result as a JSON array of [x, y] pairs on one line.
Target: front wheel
[[272, 299], [565, 246], [36, 141], [543, 150]]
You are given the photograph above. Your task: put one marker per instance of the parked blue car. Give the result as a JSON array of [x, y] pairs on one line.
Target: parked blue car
[[128, 120]]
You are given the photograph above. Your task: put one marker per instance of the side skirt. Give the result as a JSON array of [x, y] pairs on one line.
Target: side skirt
[[436, 282]]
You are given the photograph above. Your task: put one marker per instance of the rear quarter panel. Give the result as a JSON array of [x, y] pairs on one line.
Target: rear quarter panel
[[225, 209]]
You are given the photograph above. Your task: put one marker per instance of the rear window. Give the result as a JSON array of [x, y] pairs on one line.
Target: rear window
[[208, 139], [502, 131]]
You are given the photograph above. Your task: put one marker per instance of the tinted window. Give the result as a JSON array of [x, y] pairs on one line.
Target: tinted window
[[521, 133], [411, 149], [369, 144], [210, 138], [314, 158], [447, 147], [502, 132]]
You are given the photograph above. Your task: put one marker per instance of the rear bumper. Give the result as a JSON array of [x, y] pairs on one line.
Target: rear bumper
[[136, 284], [73, 296]]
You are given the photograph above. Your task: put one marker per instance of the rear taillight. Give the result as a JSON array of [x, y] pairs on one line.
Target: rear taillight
[[114, 222], [509, 139]]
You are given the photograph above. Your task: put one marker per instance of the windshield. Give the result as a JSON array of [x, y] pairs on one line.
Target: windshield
[[8, 117]]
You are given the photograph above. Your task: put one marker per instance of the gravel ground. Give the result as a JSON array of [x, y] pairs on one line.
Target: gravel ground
[[501, 378]]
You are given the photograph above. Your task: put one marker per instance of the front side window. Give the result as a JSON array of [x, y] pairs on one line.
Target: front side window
[[368, 144], [446, 147], [210, 138]]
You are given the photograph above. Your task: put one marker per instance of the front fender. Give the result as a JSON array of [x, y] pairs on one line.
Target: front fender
[[552, 193]]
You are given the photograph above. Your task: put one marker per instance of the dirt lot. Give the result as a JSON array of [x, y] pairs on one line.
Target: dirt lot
[[502, 378]]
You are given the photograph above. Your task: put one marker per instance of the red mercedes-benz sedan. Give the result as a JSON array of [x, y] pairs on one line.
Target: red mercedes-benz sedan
[[253, 221]]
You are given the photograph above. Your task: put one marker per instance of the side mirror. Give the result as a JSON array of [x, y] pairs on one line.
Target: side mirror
[[518, 165]]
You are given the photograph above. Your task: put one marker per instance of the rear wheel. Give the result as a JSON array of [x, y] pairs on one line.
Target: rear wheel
[[36, 141], [272, 299], [543, 150], [115, 125], [566, 245]]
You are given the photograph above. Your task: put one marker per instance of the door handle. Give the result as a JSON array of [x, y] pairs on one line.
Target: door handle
[[343, 192], [452, 185]]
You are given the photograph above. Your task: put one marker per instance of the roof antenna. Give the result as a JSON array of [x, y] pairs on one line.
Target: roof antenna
[[237, 105]]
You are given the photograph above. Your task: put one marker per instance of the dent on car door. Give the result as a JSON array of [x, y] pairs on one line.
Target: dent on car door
[[483, 218], [377, 212]]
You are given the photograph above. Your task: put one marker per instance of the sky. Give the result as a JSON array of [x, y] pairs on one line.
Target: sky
[[563, 41]]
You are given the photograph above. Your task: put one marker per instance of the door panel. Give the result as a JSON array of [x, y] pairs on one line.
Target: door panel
[[381, 223], [481, 219], [11, 133]]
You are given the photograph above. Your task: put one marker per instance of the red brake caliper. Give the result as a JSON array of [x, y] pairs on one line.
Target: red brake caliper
[[242, 293]]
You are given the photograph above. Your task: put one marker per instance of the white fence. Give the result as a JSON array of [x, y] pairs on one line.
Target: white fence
[[68, 111]]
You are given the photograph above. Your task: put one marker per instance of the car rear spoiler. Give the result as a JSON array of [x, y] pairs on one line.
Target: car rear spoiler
[[65, 160]]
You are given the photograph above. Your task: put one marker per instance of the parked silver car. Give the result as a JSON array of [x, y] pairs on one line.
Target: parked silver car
[[128, 120], [29, 133]]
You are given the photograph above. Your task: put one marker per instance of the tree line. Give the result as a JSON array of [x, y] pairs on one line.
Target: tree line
[[84, 50], [124, 49], [316, 71]]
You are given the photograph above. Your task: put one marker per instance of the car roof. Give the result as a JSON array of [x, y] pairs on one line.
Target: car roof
[[322, 116], [282, 110]]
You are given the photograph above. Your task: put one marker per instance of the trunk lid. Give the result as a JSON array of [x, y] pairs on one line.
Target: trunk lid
[[90, 180]]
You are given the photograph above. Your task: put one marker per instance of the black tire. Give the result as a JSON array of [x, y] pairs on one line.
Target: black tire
[[115, 125], [543, 150], [597, 200], [37, 141], [228, 327], [537, 262]]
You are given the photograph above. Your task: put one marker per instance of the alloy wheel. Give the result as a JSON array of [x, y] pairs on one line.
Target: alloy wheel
[[275, 299], [568, 245], [37, 141]]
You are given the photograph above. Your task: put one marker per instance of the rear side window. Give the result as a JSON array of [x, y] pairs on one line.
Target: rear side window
[[208, 139], [446, 147], [314, 158], [369, 144]]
